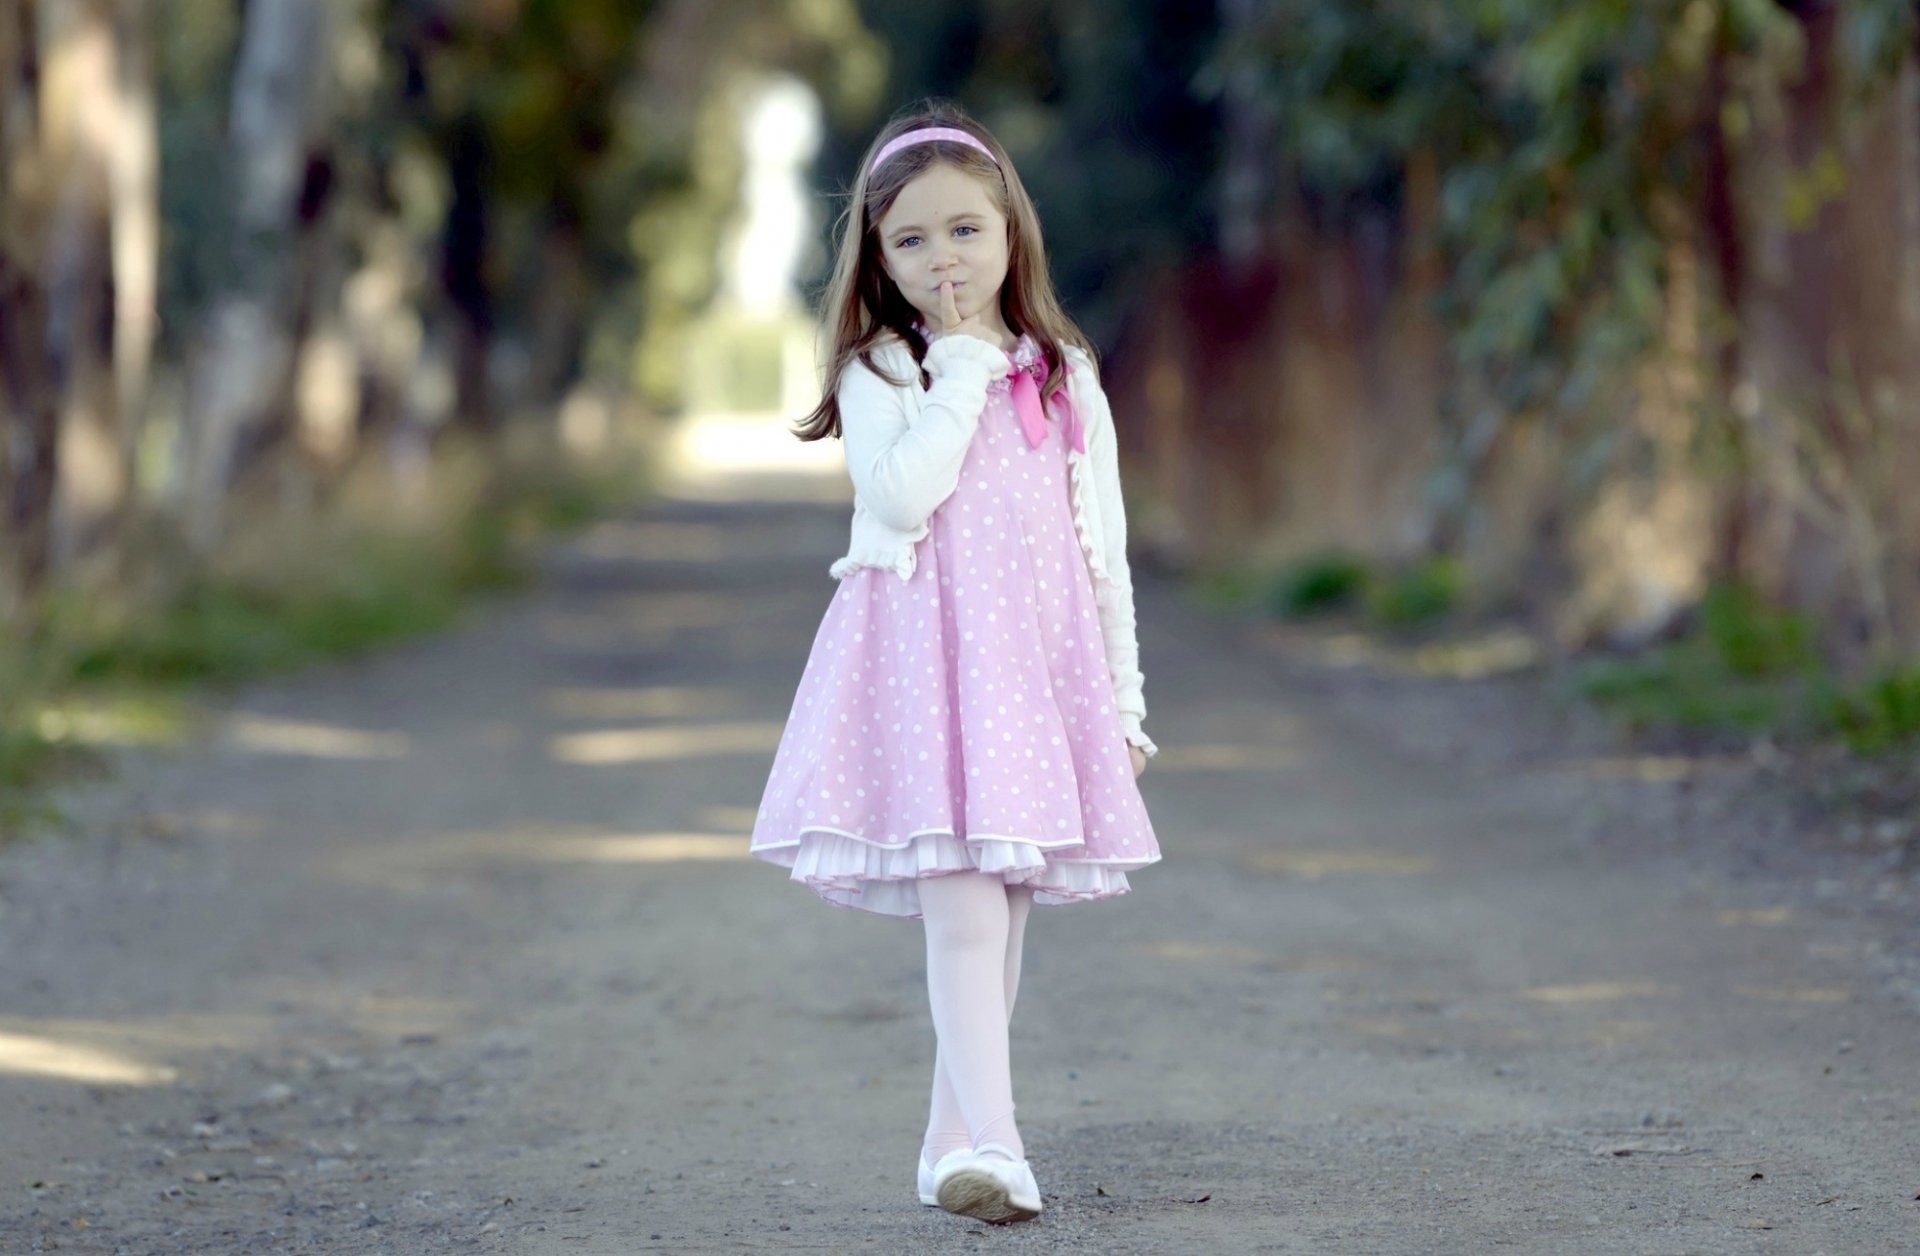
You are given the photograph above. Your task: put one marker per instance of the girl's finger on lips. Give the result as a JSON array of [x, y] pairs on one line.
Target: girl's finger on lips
[[949, 312]]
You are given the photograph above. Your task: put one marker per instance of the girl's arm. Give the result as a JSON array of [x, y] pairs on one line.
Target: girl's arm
[[1114, 596], [902, 470]]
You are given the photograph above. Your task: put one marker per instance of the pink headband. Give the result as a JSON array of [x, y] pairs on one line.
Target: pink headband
[[926, 134]]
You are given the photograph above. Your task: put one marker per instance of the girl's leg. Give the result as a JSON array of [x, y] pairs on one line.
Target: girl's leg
[[967, 916], [947, 1126]]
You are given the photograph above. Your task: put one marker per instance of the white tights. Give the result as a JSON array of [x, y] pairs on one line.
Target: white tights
[[976, 924]]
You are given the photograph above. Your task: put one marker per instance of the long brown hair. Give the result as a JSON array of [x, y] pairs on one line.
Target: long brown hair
[[862, 305]]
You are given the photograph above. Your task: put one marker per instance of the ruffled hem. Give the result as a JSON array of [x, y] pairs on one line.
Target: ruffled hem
[[852, 872], [901, 562]]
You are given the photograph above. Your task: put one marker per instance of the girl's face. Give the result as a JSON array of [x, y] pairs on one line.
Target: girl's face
[[944, 226]]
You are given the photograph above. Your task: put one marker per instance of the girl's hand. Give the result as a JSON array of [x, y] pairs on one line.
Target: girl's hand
[[951, 322], [1139, 758]]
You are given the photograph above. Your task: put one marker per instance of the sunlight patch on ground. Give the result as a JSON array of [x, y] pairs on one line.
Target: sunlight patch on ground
[[34, 1055], [1796, 994], [1598, 991], [1342, 649], [1498, 652], [396, 1016], [1756, 916], [732, 819], [655, 745], [155, 1035], [1202, 951], [1643, 767], [121, 1052], [264, 735], [119, 721], [647, 848], [1619, 1032], [207, 822], [1317, 963], [1315, 865], [655, 702], [438, 863], [1476, 658]]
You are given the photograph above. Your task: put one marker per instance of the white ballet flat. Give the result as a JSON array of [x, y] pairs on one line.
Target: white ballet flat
[[993, 1188], [928, 1194]]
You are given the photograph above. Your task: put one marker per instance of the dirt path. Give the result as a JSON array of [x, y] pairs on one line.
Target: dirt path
[[457, 950]]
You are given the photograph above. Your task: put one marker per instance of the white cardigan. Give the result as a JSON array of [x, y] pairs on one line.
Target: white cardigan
[[905, 447]]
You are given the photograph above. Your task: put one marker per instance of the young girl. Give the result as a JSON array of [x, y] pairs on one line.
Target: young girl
[[966, 734]]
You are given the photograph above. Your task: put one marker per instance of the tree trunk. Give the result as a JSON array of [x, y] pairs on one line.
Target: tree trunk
[[134, 185], [1784, 323], [558, 328], [79, 122], [464, 275], [29, 413], [246, 356], [1906, 391]]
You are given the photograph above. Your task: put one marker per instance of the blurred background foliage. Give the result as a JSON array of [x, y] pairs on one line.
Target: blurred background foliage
[[1599, 318]]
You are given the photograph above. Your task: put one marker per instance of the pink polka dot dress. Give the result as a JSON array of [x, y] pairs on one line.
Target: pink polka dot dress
[[963, 719]]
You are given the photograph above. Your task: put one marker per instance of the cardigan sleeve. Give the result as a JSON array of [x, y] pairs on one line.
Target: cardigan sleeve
[[903, 470], [1114, 596]]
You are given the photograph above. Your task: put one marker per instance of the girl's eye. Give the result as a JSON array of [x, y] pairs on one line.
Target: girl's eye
[[907, 242], [965, 228]]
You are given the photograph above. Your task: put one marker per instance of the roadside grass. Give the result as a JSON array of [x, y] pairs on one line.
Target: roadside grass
[[1745, 667], [105, 668], [1739, 668], [1408, 598]]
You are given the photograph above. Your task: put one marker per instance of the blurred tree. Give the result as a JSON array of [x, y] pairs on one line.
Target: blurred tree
[[702, 65], [243, 369], [370, 215], [591, 163], [134, 189], [1632, 199], [76, 190], [520, 96], [31, 407]]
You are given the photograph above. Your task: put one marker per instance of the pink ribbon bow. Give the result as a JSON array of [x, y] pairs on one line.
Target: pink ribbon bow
[[1025, 384]]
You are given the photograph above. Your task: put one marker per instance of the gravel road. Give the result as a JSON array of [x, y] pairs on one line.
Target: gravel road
[[458, 949]]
